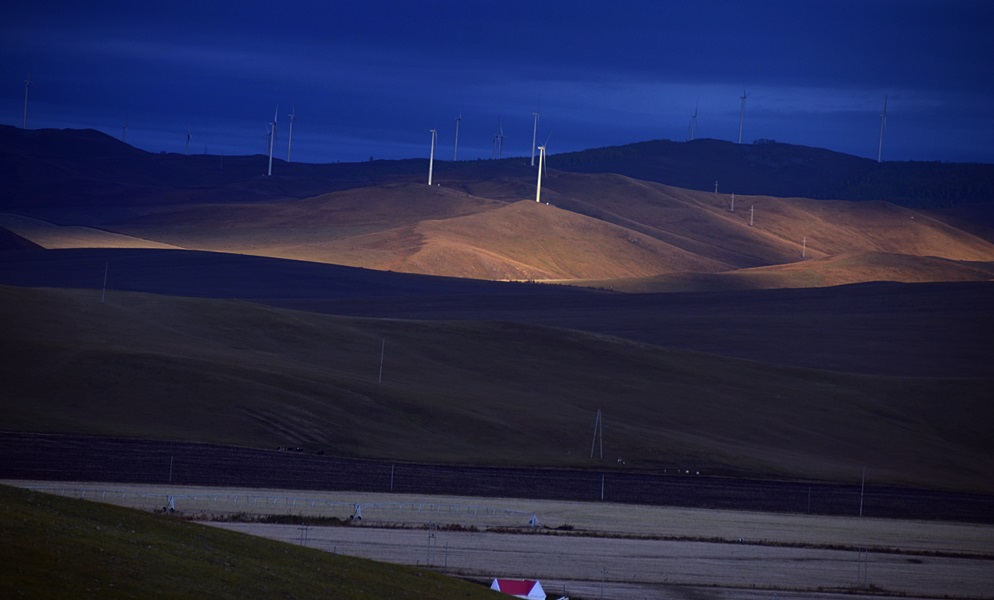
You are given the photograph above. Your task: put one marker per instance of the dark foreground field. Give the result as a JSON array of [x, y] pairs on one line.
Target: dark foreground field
[[78, 458], [886, 328]]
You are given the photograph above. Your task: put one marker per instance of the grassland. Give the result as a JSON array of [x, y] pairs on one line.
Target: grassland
[[638, 551], [63, 548], [466, 392]]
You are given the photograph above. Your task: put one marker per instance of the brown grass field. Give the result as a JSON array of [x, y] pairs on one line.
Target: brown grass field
[[596, 229], [638, 551], [467, 392]]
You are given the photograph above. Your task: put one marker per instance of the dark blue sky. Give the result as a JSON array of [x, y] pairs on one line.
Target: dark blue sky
[[370, 78]]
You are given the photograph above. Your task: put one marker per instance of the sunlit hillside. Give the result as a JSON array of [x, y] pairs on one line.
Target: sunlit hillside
[[82, 189], [589, 227]]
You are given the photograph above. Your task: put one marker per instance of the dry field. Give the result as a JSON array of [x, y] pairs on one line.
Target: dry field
[[596, 229], [632, 551]]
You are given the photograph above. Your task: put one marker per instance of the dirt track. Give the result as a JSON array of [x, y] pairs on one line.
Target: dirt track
[[645, 568]]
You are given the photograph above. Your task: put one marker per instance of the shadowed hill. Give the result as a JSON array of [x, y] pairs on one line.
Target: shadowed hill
[[93, 167], [11, 241], [90, 175], [821, 272], [927, 329], [775, 169], [465, 392]]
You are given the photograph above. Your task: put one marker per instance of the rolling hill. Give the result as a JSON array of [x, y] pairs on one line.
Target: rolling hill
[[926, 329], [769, 168], [252, 310], [595, 227], [465, 392]]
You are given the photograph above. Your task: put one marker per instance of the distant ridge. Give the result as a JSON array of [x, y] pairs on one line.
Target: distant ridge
[[40, 166], [770, 168], [44, 169]]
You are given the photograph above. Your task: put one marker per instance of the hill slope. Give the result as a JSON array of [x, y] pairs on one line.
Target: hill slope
[[598, 227], [230, 372], [105, 551], [775, 169], [928, 329], [476, 222]]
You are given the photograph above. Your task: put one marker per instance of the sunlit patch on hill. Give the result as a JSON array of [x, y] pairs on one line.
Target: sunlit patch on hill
[[50, 236]]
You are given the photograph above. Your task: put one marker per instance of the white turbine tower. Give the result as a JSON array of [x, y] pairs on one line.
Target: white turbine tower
[[693, 120], [27, 84], [431, 157], [124, 130], [455, 151], [541, 163], [272, 140], [499, 139], [289, 142], [742, 112], [534, 136], [883, 126]]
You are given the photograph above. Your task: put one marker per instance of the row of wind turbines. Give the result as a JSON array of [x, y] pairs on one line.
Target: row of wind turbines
[[498, 148], [742, 98], [271, 135], [498, 140]]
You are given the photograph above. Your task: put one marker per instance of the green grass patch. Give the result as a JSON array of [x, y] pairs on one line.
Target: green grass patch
[[54, 547]]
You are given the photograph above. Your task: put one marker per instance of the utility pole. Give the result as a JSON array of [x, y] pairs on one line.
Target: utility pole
[[383, 349], [598, 435]]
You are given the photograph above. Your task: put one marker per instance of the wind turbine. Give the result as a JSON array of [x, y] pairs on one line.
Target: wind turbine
[[27, 83], [124, 130], [742, 111], [693, 120], [534, 135], [186, 150], [883, 126], [499, 139], [272, 140], [455, 152], [289, 142], [541, 163], [431, 157]]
